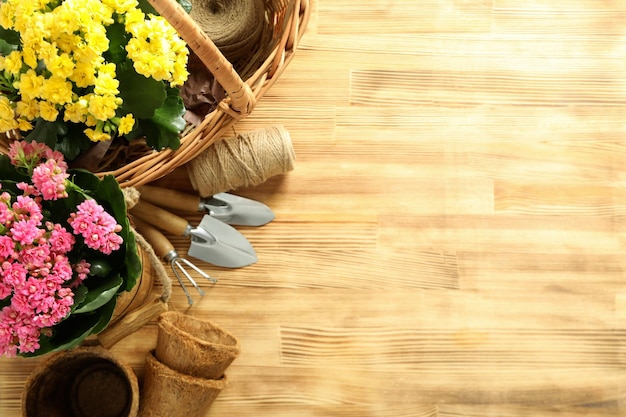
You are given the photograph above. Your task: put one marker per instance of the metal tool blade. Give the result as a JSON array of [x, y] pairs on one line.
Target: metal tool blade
[[242, 211], [220, 244]]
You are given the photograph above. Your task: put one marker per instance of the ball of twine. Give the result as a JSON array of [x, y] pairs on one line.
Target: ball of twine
[[246, 160], [234, 26]]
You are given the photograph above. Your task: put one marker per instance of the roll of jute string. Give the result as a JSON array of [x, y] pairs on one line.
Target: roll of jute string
[[245, 160], [234, 26]]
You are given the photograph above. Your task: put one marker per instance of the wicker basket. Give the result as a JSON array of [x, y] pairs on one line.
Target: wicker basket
[[286, 21]]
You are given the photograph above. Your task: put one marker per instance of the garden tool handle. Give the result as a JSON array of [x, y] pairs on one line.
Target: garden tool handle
[[159, 242], [160, 218], [170, 198]]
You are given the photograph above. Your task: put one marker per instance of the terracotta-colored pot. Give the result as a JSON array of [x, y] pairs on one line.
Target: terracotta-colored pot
[[194, 347], [168, 393], [131, 300], [81, 382], [142, 304]]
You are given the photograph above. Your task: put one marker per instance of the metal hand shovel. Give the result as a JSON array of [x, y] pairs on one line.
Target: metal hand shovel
[[229, 208], [212, 241]]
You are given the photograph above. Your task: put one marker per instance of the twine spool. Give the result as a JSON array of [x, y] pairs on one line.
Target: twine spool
[[246, 160], [234, 26]]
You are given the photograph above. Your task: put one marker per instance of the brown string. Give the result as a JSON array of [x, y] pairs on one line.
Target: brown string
[[234, 26], [246, 160], [131, 196]]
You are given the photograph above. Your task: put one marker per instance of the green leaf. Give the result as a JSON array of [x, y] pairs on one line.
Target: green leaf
[[44, 132], [71, 141], [8, 171], [84, 179], [185, 4], [9, 36], [163, 130], [106, 313], [133, 262], [79, 296], [148, 9], [100, 295], [6, 48], [118, 38], [141, 95], [68, 334]]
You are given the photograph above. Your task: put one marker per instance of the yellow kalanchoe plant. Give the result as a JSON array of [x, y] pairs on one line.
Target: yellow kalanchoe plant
[[80, 71]]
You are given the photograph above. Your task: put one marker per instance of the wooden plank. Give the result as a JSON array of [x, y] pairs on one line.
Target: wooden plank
[[404, 16], [422, 87]]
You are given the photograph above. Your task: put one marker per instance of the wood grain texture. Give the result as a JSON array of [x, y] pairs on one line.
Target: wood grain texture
[[451, 242]]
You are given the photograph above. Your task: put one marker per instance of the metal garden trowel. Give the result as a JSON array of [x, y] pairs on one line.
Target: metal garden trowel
[[229, 208], [212, 241]]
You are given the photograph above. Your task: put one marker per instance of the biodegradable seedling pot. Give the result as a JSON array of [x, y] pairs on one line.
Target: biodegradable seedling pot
[[194, 347], [168, 393], [81, 382]]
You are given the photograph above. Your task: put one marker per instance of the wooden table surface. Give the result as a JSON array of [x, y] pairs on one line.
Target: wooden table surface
[[451, 241]]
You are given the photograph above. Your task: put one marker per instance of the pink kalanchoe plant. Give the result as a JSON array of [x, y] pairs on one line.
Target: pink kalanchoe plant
[[63, 255]]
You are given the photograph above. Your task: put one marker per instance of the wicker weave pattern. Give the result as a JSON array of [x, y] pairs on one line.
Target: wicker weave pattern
[[286, 20]]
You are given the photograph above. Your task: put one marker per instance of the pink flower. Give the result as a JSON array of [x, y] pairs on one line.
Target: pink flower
[[26, 154], [5, 290], [27, 188], [97, 227], [17, 332], [82, 271], [7, 247], [34, 256], [6, 215], [62, 269], [60, 240], [7, 346], [26, 208], [25, 232], [49, 179], [13, 273]]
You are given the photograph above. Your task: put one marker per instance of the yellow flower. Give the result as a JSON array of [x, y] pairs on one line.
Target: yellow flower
[[97, 39], [7, 14], [24, 125], [121, 6], [30, 57], [103, 107], [13, 62], [83, 75], [56, 90], [61, 65], [96, 135], [28, 109], [8, 124], [91, 121], [133, 21], [105, 84], [126, 124], [76, 112], [6, 110], [30, 85], [66, 21], [48, 111]]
